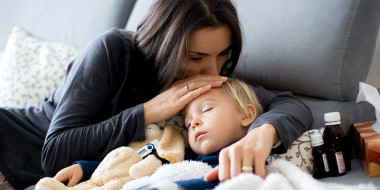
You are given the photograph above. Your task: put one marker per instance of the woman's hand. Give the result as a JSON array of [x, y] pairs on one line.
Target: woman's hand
[[174, 99], [252, 150], [70, 175]]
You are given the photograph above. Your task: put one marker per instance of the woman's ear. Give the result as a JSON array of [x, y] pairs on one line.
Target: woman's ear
[[249, 115]]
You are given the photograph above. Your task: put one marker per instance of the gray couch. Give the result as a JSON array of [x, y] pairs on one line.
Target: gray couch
[[319, 50]]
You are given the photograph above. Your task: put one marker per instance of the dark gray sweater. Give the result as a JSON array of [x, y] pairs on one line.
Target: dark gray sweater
[[99, 108]]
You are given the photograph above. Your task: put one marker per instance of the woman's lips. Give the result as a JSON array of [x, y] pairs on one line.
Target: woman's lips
[[198, 134]]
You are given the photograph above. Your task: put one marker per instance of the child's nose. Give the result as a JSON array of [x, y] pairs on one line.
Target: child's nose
[[195, 123]]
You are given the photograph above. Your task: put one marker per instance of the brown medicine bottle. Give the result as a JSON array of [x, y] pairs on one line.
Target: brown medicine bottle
[[334, 136], [321, 166]]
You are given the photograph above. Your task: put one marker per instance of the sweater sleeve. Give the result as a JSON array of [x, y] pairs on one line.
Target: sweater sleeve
[[84, 125], [88, 168], [290, 116]]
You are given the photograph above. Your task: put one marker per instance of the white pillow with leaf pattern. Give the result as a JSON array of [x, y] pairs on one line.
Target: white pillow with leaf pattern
[[31, 68], [299, 152]]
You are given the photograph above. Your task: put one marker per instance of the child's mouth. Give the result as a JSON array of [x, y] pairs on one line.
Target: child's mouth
[[199, 134]]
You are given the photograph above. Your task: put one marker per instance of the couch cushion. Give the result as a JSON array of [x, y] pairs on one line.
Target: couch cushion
[[31, 68], [140, 9], [71, 22], [316, 48], [350, 111]]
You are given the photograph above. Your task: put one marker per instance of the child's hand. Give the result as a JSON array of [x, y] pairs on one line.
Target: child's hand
[[70, 175]]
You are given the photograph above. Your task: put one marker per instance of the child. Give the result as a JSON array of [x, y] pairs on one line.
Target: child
[[217, 119], [214, 120], [221, 116]]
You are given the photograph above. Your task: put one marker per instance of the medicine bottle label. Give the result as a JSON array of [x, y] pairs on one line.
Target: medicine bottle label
[[340, 162], [324, 157]]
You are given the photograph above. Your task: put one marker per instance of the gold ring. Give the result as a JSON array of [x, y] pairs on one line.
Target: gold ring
[[247, 168], [187, 87]]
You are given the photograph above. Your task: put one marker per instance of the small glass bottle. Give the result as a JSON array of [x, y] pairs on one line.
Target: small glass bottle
[[334, 136], [321, 166]]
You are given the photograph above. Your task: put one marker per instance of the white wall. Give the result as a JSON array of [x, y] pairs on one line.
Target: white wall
[[373, 77]]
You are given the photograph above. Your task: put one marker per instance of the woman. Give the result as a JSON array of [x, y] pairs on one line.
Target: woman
[[121, 82]]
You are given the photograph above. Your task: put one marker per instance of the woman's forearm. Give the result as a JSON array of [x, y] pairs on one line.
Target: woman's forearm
[[65, 144], [286, 113]]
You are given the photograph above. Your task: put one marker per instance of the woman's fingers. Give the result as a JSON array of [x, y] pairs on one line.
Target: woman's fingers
[[221, 171], [197, 85], [234, 160], [248, 166], [191, 95], [193, 85], [247, 155], [199, 81], [202, 78], [212, 175], [260, 166], [237, 159], [236, 154], [174, 99], [224, 165]]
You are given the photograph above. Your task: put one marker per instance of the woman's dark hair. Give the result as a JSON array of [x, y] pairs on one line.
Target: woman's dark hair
[[163, 36]]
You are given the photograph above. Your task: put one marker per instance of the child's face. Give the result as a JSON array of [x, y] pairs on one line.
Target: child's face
[[214, 121]]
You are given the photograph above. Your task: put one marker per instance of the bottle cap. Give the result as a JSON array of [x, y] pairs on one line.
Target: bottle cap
[[332, 118], [316, 140]]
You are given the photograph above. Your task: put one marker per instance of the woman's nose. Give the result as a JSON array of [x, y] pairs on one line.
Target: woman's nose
[[211, 67]]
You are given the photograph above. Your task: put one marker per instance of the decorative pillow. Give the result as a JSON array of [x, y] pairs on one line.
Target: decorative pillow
[[31, 68], [299, 152]]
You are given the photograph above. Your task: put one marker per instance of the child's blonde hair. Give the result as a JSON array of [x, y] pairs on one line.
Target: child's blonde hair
[[243, 94]]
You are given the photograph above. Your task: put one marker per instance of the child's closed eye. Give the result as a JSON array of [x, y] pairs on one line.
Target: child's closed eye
[[206, 109]]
